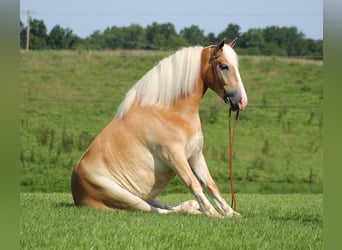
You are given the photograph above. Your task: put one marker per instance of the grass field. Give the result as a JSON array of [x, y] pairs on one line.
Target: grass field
[[287, 221], [67, 97]]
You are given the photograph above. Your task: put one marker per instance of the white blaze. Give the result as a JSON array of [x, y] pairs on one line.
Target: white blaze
[[232, 58], [244, 99]]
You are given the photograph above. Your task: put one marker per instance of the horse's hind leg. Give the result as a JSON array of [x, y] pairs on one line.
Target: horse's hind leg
[[114, 196], [158, 204]]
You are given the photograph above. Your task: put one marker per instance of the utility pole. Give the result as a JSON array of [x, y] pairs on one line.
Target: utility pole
[[28, 31]]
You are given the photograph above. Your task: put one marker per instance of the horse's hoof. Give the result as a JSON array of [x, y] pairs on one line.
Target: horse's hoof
[[236, 214]]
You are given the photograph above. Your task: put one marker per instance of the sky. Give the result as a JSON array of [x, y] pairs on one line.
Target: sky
[[84, 17]]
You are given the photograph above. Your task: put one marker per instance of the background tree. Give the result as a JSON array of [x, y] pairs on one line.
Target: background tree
[[60, 38], [252, 42], [272, 40], [211, 39], [284, 41], [22, 35], [112, 38], [95, 41], [134, 37], [38, 34], [194, 35], [163, 36], [232, 31], [314, 48]]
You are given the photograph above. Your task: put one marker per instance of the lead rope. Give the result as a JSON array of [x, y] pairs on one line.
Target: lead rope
[[231, 140]]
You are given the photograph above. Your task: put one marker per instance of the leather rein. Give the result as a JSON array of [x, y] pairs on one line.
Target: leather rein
[[231, 142]]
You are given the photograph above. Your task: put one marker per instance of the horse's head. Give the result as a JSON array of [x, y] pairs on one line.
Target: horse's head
[[221, 74]]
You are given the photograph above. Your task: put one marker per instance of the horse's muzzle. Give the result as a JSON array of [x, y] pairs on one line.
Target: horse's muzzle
[[233, 97]]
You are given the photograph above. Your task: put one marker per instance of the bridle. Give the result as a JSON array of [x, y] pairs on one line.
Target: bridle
[[215, 53]]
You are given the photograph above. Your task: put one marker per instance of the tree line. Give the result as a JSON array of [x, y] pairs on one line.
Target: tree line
[[272, 40]]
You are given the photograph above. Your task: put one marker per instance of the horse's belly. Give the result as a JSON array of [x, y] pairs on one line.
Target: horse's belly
[[145, 178], [162, 175]]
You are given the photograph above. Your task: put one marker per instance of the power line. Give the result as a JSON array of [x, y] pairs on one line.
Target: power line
[[111, 101], [67, 101], [99, 14]]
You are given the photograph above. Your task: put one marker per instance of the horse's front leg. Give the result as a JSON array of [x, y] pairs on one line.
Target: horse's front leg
[[177, 161], [202, 173]]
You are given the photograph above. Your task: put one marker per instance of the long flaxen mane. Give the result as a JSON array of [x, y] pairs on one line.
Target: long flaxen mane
[[173, 77]]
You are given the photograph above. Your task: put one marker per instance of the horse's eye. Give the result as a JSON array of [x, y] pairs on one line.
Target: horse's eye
[[224, 67]]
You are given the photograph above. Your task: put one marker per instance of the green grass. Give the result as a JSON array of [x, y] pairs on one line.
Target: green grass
[[291, 221], [67, 97]]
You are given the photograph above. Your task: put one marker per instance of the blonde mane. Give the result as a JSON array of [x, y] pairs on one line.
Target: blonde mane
[[171, 78]]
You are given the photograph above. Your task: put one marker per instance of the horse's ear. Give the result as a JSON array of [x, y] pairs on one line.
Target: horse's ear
[[219, 46], [232, 43]]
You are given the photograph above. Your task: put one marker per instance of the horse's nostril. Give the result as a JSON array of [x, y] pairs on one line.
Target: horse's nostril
[[233, 97], [226, 99]]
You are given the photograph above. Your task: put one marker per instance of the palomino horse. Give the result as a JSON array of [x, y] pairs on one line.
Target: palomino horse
[[156, 135]]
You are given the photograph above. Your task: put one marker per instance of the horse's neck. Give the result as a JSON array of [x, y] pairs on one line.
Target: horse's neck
[[189, 105]]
